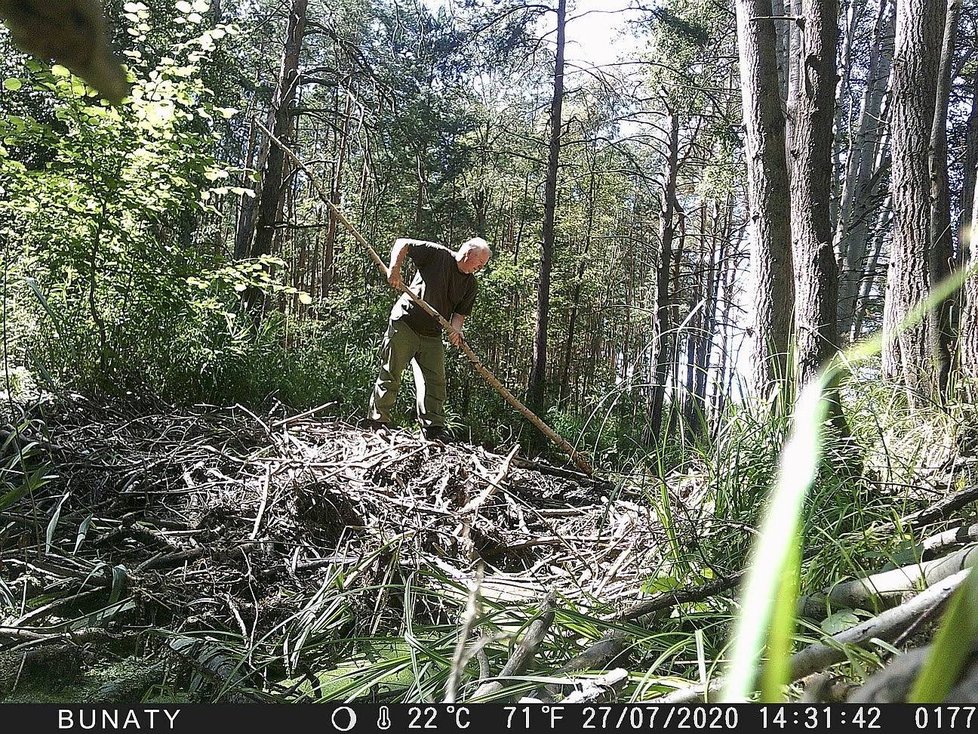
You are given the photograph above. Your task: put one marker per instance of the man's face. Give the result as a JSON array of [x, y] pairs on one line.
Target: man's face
[[470, 260]]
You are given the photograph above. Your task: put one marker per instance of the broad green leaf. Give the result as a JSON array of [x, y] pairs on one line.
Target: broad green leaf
[[839, 621]]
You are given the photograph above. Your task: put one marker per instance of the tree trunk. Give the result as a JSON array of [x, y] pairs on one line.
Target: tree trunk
[[538, 371], [862, 186], [910, 354], [767, 179], [968, 340], [970, 167], [329, 251], [942, 241], [280, 122], [816, 274], [663, 336], [564, 379]]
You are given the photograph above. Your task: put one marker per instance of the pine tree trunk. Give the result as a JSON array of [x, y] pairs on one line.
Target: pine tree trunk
[[862, 186], [942, 241], [767, 178], [816, 273], [968, 339], [538, 371], [270, 199], [910, 354], [663, 337]]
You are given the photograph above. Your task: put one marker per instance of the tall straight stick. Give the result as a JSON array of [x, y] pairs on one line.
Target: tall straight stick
[[547, 431]]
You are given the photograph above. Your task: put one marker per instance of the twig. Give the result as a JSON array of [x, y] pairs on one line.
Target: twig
[[300, 416], [594, 689], [460, 657], [264, 502]]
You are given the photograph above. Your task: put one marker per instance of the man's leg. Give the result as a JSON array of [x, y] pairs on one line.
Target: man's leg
[[400, 344], [429, 377]]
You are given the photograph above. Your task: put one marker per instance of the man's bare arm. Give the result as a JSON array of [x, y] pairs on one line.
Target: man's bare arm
[[458, 322]]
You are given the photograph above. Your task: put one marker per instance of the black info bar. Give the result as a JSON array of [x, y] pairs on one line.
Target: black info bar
[[478, 718]]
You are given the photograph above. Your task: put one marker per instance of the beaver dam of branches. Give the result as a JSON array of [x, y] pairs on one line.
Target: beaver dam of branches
[[219, 555], [240, 551]]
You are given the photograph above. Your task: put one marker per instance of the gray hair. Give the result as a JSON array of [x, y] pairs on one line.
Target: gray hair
[[476, 243]]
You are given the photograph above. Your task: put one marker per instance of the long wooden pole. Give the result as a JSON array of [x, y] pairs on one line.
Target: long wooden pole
[[574, 454]]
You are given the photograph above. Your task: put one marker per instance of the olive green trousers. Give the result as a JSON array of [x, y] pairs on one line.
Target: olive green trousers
[[402, 344]]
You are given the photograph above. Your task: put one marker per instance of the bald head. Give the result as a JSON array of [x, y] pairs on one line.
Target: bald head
[[473, 255]]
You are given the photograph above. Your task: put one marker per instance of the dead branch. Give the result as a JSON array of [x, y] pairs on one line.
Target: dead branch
[[523, 654], [886, 626]]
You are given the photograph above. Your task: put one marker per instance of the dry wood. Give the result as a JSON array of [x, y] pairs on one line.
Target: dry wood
[[669, 599], [462, 654], [174, 497], [886, 626], [889, 587], [948, 539], [470, 512], [324, 196], [893, 682], [943, 509], [596, 689], [523, 654]]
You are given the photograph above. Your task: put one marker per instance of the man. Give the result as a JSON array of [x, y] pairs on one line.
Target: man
[[445, 280]]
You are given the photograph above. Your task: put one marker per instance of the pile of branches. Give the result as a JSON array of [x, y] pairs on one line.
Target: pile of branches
[[170, 533], [187, 522]]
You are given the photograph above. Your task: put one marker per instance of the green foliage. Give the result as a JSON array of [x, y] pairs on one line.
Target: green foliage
[[101, 214]]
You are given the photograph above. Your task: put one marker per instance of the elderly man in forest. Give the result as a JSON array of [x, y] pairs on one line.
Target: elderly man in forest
[[445, 280]]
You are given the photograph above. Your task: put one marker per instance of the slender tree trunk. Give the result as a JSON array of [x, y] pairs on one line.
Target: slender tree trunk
[[910, 354], [663, 336], [871, 274], [270, 199], [329, 252], [767, 178], [942, 241], [970, 166], [862, 186], [968, 340], [853, 16], [538, 371], [564, 381], [245, 230], [816, 273]]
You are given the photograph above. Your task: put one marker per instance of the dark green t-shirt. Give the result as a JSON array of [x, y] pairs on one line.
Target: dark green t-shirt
[[440, 283]]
